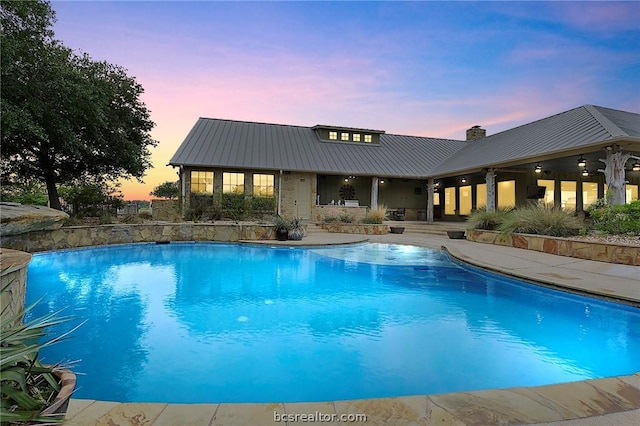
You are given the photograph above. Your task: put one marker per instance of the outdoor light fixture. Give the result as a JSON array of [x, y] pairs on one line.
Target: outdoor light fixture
[[585, 172], [346, 179], [463, 180], [381, 180], [538, 168], [582, 162], [635, 166]]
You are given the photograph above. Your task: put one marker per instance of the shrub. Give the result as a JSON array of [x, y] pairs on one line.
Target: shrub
[[483, 219], [346, 218], [260, 206], [376, 216], [330, 218], [542, 220], [145, 215], [234, 205], [616, 219]]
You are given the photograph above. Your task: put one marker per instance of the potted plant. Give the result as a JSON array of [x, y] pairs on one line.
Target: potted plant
[[282, 227], [296, 232], [31, 392]]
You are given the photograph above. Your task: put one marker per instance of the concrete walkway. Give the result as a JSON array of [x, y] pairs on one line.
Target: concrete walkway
[[611, 401]]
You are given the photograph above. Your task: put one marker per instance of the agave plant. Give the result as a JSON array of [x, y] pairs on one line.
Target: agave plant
[[27, 386]]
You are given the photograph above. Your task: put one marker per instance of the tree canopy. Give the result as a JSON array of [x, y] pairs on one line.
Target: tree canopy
[[66, 119], [167, 189]]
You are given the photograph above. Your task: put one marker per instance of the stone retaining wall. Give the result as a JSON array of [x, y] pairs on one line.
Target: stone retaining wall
[[83, 236], [13, 279], [356, 228], [611, 253]]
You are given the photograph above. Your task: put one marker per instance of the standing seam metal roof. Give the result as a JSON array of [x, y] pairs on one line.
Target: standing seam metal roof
[[240, 145]]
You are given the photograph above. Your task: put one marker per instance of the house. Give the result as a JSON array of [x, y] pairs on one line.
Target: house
[[569, 159]]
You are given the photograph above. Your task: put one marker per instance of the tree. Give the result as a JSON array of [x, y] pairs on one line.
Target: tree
[[167, 189], [65, 117]]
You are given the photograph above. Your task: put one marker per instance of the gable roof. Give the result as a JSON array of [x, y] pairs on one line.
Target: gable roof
[[584, 128], [248, 145]]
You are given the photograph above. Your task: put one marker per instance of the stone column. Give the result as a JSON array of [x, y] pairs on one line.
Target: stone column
[[490, 178], [374, 192], [430, 194]]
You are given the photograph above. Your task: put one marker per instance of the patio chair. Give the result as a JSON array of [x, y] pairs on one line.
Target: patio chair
[[399, 214]]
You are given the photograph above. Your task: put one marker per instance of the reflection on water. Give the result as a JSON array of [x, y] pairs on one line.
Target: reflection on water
[[238, 323]]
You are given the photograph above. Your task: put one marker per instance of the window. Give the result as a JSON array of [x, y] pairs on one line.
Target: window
[[481, 196], [333, 136], [589, 193], [344, 136], [465, 200], [506, 194], [449, 201], [632, 193], [356, 137], [436, 198], [233, 183], [568, 193], [368, 138], [263, 185], [548, 192], [201, 182]]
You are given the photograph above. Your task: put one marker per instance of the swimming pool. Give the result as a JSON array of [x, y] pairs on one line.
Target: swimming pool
[[213, 322]]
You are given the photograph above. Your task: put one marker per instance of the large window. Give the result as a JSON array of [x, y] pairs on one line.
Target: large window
[[201, 182], [481, 196], [263, 185], [589, 193], [549, 190], [465, 200], [568, 195], [233, 183], [506, 194], [449, 201], [631, 192]]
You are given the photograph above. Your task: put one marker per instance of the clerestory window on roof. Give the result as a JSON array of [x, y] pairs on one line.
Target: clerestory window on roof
[[344, 136], [333, 136], [356, 137], [368, 138]]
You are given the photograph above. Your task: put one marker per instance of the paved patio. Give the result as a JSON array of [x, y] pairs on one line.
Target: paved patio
[[610, 401]]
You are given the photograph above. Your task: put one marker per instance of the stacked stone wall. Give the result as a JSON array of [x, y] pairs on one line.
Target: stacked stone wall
[[166, 210], [13, 281], [84, 236]]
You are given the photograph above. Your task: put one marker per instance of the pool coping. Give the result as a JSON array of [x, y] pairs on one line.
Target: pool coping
[[613, 400]]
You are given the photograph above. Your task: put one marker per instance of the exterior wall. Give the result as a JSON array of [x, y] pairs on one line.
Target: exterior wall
[[288, 192], [13, 281], [166, 210], [84, 236]]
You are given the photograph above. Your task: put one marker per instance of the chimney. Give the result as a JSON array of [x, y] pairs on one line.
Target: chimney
[[476, 132]]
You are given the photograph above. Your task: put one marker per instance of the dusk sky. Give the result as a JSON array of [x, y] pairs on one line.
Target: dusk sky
[[415, 68]]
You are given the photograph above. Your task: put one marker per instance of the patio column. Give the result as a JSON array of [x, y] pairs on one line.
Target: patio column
[[430, 194], [374, 192], [614, 174], [490, 178]]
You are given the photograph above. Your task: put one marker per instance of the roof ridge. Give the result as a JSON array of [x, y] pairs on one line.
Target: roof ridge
[[607, 124], [253, 122]]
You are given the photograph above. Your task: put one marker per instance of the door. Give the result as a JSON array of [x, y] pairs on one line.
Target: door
[[302, 201]]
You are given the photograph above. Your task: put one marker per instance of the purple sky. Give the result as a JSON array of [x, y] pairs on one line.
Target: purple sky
[[416, 68]]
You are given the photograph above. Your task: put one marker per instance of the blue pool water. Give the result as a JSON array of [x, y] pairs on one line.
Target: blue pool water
[[200, 322]]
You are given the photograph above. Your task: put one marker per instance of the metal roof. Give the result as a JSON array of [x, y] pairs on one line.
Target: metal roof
[[585, 127], [248, 145]]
